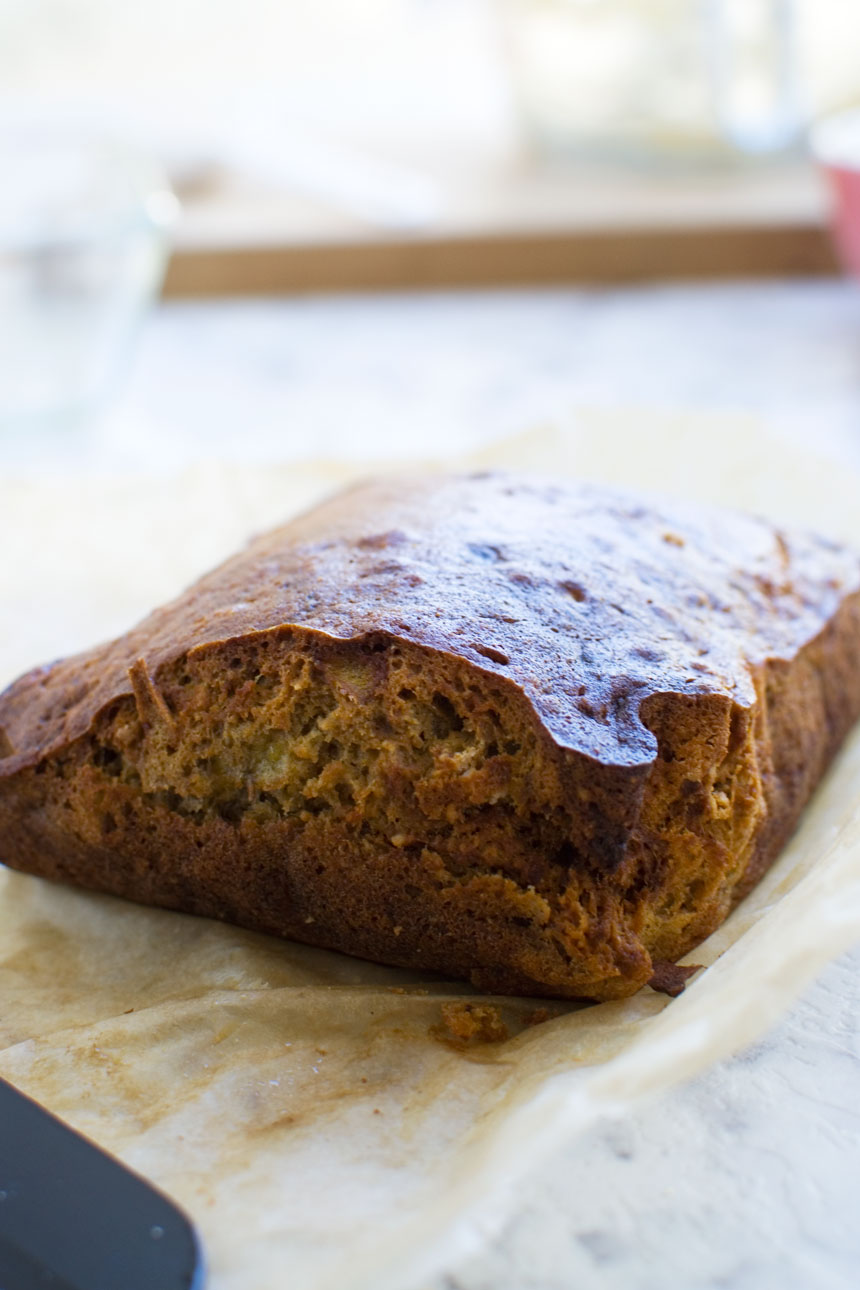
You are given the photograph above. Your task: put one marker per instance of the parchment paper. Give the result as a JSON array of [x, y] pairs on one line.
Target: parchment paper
[[304, 1107]]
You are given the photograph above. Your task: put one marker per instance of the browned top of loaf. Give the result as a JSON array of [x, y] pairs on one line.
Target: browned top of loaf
[[588, 599]]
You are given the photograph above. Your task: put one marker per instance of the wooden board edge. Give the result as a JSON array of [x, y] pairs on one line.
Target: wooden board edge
[[503, 260]]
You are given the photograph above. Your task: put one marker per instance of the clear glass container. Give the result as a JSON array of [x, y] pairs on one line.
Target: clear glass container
[[689, 80], [83, 246]]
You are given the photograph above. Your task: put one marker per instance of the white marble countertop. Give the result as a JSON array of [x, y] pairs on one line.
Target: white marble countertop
[[263, 379], [749, 1177]]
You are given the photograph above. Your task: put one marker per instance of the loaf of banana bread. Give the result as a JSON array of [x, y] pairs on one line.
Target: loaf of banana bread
[[540, 736]]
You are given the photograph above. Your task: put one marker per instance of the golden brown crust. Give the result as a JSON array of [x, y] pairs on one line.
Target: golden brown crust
[[533, 735]]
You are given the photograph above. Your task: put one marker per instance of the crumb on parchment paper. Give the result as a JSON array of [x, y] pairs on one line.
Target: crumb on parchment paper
[[465, 1024], [470, 1023], [671, 978]]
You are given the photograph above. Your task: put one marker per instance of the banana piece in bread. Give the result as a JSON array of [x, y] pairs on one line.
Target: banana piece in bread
[[540, 736]]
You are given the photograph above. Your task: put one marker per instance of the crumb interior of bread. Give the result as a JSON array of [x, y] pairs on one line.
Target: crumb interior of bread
[[400, 749], [397, 749]]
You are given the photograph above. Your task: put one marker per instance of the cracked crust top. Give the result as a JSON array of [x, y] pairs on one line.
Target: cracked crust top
[[587, 599]]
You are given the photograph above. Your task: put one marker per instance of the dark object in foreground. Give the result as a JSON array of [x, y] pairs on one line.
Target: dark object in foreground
[[541, 736], [72, 1218]]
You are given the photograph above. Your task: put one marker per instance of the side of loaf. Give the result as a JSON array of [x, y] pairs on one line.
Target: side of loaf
[[539, 737]]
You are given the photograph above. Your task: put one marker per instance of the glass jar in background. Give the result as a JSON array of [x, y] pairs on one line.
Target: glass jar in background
[[83, 246], [683, 80]]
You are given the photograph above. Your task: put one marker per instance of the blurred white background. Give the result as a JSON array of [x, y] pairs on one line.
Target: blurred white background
[[407, 76], [324, 121]]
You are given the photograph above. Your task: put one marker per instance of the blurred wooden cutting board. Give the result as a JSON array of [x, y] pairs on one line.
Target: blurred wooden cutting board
[[508, 224]]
